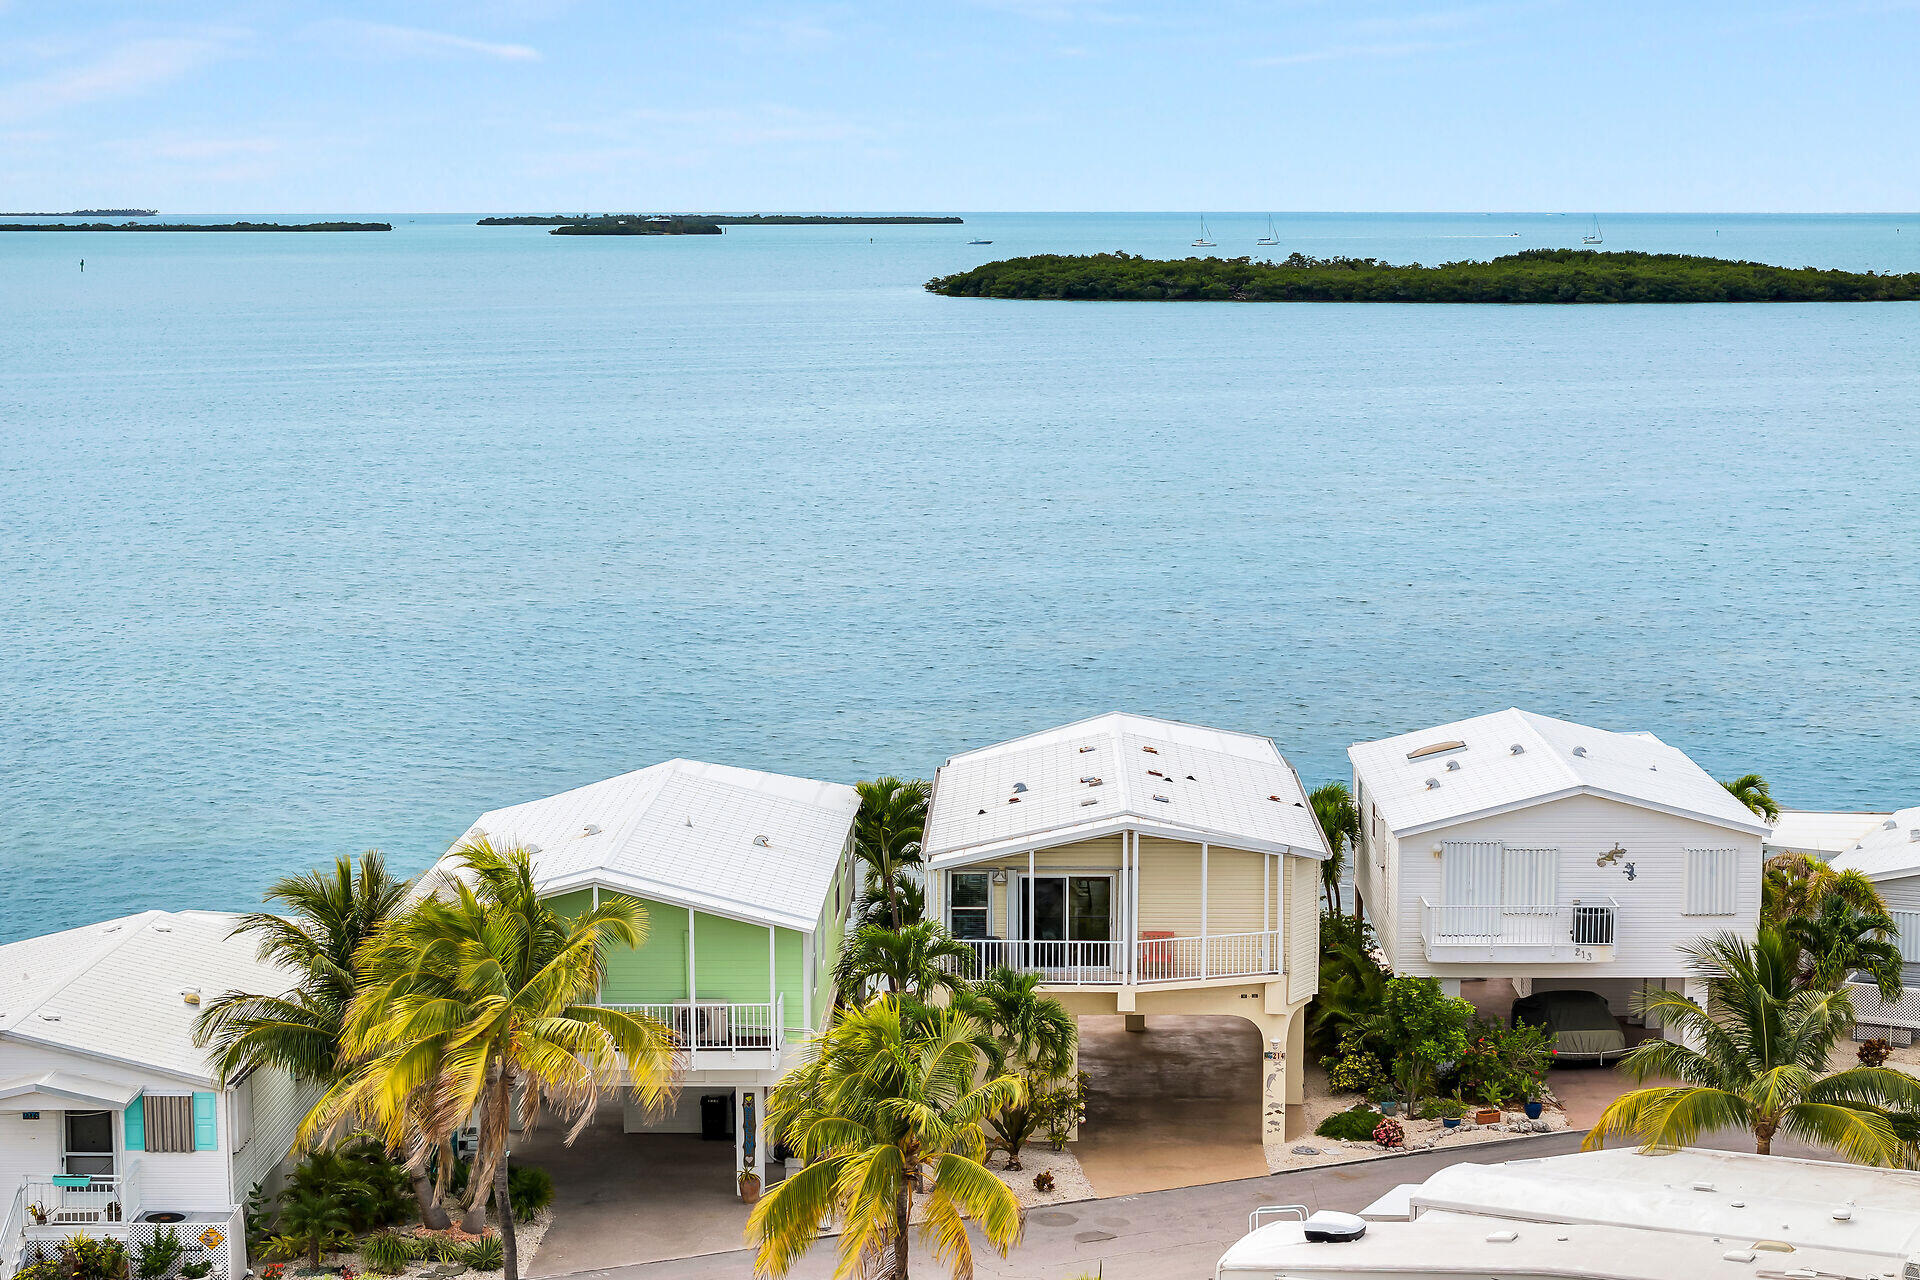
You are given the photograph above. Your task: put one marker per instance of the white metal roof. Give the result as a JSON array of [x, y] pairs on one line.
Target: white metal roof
[[1555, 758], [117, 990], [1730, 1194], [757, 846], [1157, 776], [1447, 1245], [60, 1090], [1820, 834], [1889, 850]]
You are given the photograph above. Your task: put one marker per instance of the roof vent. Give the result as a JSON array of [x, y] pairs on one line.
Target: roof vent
[[1433, 784], [1275, 798], [1704, 1186], [1152, 751], [1013, 799], [1436, 748], [983, 811], [1163, 799], [1092, 779], [1913, 836], [1019, 788], [591, 829], [1084, 750], [689, 821], [1089, 800], [534, 848], [191, 995], [1580, 751], [1155, 773], [1191, 778], [1889, 825], [1502, 1237], [1328, 1227], [761, 842], [1843, 1214], [1453, 766]]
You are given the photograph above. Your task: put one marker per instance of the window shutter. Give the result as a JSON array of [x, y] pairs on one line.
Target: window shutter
[[1907, 927], [1529, 877], [1713, 881], [206, 1135], [135, 1123]]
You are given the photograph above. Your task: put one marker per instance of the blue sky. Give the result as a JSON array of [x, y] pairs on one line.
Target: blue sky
[[192, 106]]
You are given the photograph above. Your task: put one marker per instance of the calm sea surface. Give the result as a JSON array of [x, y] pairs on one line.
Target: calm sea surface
[[315, 543]]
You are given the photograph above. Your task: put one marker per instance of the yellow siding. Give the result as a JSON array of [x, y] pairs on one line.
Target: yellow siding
[[1235, 881], [1102, 855], [1169, 887]]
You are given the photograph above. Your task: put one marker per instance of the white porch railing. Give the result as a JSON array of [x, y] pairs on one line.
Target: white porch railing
[[706, 1025], [1587, 926], [60, 1200], [1156, 959]]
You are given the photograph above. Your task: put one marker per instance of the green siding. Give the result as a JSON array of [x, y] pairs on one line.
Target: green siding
[[657, 971], [730, 959], [791, 966]]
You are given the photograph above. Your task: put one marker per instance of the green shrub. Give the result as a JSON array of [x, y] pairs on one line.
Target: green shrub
[[530, 1188], [158, 1257], [386, 1252], [486, 1254], [94, 1258], [1440, 1109], [1503, 1064], [1356, 1125], [448, 1250], [196, 1270], [1354, 1067]]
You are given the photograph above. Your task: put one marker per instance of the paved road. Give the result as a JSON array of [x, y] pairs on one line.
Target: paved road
[[1156, 1235]]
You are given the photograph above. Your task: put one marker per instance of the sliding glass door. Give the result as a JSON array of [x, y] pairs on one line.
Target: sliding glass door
[[1066, 921]]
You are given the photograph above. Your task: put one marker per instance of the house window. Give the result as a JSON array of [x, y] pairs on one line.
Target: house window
[[1713, 882], [169, 1122], [242, 1113], [967, 912], [1066, 908], [89, 1141]]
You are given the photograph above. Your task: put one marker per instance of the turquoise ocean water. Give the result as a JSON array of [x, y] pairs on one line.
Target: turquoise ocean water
[[315, 543]]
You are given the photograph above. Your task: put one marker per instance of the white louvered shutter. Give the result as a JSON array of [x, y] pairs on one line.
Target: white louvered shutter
[[1529, 877], [1713, 881]]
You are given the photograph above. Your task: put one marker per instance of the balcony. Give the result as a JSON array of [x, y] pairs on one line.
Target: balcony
[[1162, 959], [1580, 933], [718, 1033]]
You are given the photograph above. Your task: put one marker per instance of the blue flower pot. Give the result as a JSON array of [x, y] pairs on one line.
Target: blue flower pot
[[1533, 1111], [1451, 1122]]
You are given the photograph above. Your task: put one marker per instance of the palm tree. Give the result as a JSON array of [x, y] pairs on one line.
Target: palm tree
[[1333, 807], [1839, 938], [314, 1221], [886, 834], [878, 905], [1751, 790], [1795, 884], [329, 917], [1028, 1035], [884, 1108], [916, 960], [1761, 1063], [486, 991], [1353, 987]]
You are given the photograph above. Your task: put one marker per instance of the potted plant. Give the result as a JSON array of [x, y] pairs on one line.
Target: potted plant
[[38, 1212], [1487, 1115], [749, 1185], [1450, 1111]]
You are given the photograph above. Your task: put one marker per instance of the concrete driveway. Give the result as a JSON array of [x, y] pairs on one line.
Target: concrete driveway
[[623, 1198], [1172, 1106]]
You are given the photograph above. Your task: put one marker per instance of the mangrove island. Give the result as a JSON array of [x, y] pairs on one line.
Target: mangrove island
[[1532, 276], [195, 226], [637, 227], [722, 219], [89, 213]]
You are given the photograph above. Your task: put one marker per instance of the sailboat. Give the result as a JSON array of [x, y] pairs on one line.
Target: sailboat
[[1595, 237], [1272, 236], [1203, 242]]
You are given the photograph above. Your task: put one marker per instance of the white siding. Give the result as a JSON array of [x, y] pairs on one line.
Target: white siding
[[1652, 923], [278, 1107]]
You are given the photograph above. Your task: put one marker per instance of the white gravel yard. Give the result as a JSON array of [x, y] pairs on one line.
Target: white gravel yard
[[1069, 1181]]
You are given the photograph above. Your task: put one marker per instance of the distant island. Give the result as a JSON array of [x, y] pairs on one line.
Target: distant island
[[1532, 276], [89, 213], [721, 219], [194, 226], [637, 227]]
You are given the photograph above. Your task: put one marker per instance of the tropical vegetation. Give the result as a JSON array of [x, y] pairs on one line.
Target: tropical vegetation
[[1751, 790], [1031, 1037], [886, 838], [1754, 1055], [1340, 823], [916, 960], [1531, 276], [887, 1109], [467, 999]]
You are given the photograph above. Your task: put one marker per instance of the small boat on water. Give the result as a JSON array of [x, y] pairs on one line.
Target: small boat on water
[[1272, 236], [1595, 237], [979, 242], [1205, 241]]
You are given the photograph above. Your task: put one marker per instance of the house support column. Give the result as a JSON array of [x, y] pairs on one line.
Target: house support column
[[742, 1113], [1136, 1022], [1450, 987], [1282, 1070]]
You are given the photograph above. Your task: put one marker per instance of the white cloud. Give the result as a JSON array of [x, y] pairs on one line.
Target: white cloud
[[125, 70], [386, 40]]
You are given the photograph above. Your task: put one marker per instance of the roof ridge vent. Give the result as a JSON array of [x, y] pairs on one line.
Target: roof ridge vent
[[1436, 748]]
